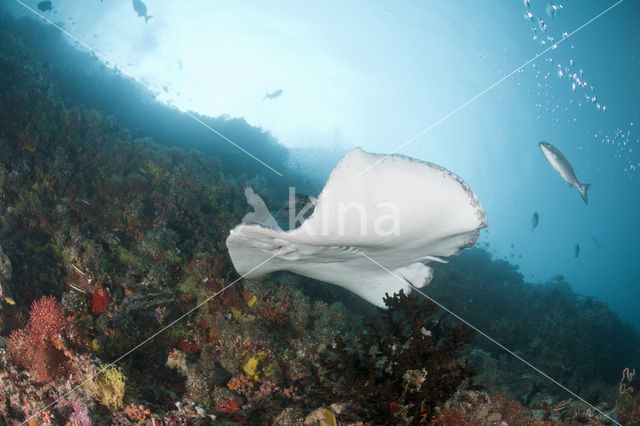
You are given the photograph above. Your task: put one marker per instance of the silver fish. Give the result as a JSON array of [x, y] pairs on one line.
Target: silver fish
[[561, 165]]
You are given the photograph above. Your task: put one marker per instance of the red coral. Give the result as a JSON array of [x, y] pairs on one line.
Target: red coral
[[46, 319], [227, 406], [39, 346], [185, 346], [99, 300]]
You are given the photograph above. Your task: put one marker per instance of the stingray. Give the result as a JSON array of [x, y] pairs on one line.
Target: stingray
[[367, 230]]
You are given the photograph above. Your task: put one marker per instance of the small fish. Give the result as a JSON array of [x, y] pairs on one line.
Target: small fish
[[273, 94], [141, 9], [576, 250], [558, 277], [75, 287], [535, 220], [45, 6], [596, 243], [561, 165], [7, 299], [77, 269]]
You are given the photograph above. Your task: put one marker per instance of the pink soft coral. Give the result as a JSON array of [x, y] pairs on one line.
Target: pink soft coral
[[39, 347]]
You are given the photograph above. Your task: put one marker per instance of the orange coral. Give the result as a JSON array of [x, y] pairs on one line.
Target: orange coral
[[139, 413], [227, 406]]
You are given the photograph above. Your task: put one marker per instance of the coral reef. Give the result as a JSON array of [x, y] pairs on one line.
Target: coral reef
[[405, 364], [110, 240], [547, 324], [471, 407]]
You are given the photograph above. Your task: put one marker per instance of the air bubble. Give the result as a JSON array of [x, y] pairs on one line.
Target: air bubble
[[553, 10], [542, 25]]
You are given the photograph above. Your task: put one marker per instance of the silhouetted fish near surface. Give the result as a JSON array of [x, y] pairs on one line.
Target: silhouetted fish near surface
[[596, 243], [558, 277], [273, 94], [45, 6], [576, 250], [561, 165], [534, 220], [141, 9]]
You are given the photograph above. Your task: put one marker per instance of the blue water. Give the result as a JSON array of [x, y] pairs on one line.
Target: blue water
[[376, 74]]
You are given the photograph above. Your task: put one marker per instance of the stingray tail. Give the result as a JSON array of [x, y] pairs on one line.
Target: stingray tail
[[583, 191], [146, 18]]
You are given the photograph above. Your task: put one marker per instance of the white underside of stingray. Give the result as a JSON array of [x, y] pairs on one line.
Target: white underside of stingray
[[402, 214]]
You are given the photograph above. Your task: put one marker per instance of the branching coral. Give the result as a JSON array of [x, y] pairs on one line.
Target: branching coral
[[404, 365], [628, 401], [42, 347]]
